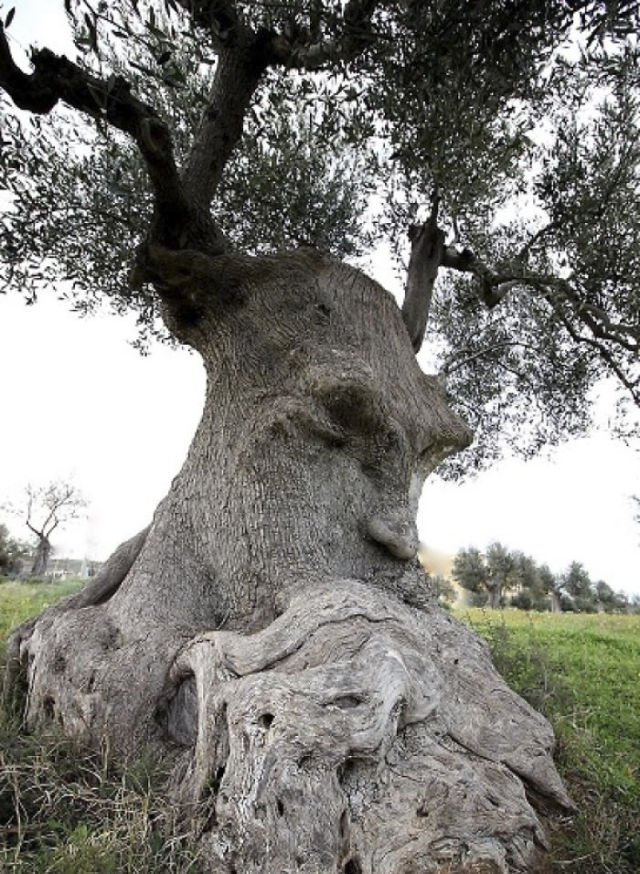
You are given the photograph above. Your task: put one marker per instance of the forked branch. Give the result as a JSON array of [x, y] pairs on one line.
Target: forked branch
[[573, 308], [492, 287]]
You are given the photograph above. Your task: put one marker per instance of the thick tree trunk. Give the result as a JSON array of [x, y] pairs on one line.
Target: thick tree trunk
[[41, 557], [495, 596], [273, 630]]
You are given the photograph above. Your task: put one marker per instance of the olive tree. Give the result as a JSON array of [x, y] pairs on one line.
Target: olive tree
[[45, 509], [221, 166]]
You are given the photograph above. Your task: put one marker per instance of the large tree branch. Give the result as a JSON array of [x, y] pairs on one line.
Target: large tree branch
[[242, 59], [237, 76], [567, 303], [493, 287], [244, 55], [56, 78], [427, 243]]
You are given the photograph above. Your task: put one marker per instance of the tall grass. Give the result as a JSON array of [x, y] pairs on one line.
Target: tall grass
[[583, 672], [69, 810]]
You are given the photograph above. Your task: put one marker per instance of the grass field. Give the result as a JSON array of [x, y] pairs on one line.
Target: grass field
[[81, 815], [583, 672]]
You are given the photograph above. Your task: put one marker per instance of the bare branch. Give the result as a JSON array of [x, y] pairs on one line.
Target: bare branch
[[56, 503], [55, 522]]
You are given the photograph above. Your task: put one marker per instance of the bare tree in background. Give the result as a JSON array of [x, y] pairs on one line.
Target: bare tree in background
[[46, 509]]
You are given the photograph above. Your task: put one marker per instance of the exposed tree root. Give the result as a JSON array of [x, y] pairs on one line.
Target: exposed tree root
[[97, 591], [357, 734]]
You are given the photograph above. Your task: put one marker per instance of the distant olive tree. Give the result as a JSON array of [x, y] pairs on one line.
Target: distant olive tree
[[610, 601], [487, 575], [44, 510], [577, 594]]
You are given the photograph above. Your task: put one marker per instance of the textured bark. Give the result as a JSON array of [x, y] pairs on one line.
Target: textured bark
[[41, 557], [427, 247], [273, 631]]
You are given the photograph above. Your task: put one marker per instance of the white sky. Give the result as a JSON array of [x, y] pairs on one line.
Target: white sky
[[78, 402]]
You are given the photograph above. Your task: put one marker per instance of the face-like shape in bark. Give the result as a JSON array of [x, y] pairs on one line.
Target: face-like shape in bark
[[331, 413], [261, 622]]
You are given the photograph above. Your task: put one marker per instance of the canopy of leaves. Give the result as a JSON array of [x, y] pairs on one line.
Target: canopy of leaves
[[521, 116]]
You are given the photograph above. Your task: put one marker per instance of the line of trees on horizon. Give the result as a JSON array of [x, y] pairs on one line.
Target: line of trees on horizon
[[498, 577]]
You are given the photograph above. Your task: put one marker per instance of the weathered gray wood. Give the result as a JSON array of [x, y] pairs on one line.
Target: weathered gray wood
[[273, 629]]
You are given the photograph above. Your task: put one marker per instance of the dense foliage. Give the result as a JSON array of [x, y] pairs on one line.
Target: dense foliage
[[13, 553], [521, 119]]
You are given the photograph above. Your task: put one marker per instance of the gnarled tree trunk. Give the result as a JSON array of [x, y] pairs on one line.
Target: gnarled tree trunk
[[41, 557], [272, 629]]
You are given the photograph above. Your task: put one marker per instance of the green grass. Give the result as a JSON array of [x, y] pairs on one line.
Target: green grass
[[62, 811], [583, 672]]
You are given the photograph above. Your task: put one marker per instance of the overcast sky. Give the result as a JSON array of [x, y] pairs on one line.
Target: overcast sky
[[78, 402]]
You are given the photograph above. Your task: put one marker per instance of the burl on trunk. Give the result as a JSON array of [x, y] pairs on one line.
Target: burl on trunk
[[272, 631]]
